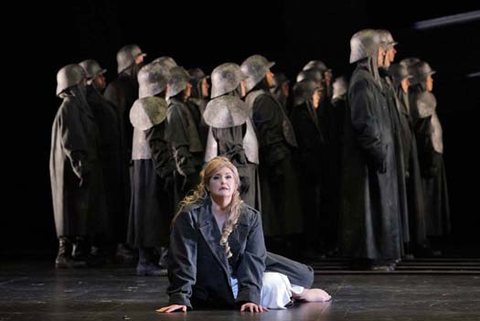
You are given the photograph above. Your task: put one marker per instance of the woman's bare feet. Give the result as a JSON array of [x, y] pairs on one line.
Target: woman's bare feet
[[313, 295]]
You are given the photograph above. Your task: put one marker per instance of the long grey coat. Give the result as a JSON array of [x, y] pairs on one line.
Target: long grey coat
[[369, 223], [73, 162], [199, 271]]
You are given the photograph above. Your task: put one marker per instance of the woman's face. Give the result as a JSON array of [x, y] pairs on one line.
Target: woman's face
[[222, 183]]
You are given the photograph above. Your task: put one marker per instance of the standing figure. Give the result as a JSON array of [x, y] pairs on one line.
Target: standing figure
[[75, 169], [122, 93], [429, 135], [369, 222], [399, 176], [279, 186], [182, 133], [310, 151], [150, 213], [231, 131]]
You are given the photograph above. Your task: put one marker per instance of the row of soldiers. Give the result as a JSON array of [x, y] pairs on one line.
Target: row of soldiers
[[335, 168]]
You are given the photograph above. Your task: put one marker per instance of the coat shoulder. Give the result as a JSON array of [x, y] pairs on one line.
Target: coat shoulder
[[249, 214]]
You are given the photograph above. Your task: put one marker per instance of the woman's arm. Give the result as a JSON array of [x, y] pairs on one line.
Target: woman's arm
[[182, 269], [252, 265]]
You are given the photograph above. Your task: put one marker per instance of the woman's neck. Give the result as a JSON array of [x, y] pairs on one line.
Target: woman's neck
[[220, 204]]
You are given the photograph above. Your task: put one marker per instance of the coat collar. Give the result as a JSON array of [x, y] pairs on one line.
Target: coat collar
[[211, 234]]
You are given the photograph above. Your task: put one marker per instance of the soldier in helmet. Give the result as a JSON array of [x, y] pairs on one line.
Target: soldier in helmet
[[75, 169], [276, 137], [110, 141], [327, 75], [389, 44], [370, 221], [151, 207], [231, 132], [183, 134], [122, 93], [198, 99], [415, 194], [428, 131], [310, 151], [318, 71]]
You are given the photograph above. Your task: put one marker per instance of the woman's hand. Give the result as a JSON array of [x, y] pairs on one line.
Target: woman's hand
[[252, 307], [171, 308]]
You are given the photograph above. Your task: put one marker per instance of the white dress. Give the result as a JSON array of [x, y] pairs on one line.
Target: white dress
[[277, 290]]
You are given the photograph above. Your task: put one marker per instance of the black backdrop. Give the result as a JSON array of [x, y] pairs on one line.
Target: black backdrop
[[205, 35]]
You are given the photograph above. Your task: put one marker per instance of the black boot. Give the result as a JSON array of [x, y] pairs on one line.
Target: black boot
[[147, 265], [64, 259], [80, 249], [125, 254], [97, 256]]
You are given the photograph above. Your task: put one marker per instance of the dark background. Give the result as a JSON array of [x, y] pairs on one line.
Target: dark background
[[205, 35]]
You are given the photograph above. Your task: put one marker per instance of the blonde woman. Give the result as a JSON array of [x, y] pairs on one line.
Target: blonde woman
[[217, 255]]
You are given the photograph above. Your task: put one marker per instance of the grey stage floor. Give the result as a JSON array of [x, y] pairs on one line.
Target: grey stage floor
[[34, 290]]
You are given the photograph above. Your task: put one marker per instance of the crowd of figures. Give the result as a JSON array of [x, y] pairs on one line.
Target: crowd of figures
[[350, 168]]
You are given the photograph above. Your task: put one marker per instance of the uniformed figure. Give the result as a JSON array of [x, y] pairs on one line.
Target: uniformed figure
[[389, 44], [310, 162], [327, 75], [151, 210], [75, 169], [217, 253], [122, 93], [110, 152], [369, 223], [318, 71], [428, 130], [231, 131], [276, 137], [415, 198], [182, 133]]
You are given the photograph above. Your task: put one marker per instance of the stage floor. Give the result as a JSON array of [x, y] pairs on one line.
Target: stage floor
[[34, 290]]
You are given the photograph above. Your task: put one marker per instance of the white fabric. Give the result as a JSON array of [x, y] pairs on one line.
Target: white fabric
[[277, 290], [234, 283]]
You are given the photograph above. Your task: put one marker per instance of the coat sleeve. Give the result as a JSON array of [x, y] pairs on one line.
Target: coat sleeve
[[268, 120], [365, 121], [252, 265], [178, 137], [182, 269], [161, 153], [74, 139]]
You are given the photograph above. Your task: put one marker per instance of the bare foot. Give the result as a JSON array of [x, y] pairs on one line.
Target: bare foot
[[313, 295]]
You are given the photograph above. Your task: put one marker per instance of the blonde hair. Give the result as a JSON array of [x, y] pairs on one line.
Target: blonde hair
[[201, 193]]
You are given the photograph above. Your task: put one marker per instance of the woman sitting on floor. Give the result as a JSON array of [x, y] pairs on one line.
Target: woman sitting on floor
[[217, 255]]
